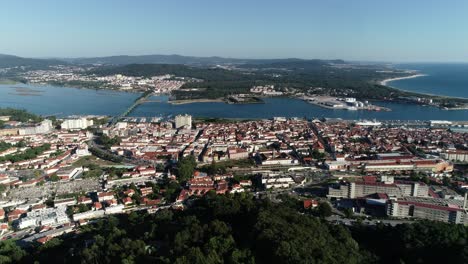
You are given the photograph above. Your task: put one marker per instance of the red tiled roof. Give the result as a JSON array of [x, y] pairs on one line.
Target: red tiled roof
[[44, 240], [309, 203], [369, 178], [377, 184], [431, 206]]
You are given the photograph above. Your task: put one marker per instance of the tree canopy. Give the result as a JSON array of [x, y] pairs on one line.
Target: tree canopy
[[361, 82], [30, 153], [185, 168], [216, 229], [241, 229], [19, 115]]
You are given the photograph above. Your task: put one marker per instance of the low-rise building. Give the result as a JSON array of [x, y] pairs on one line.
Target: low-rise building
[[104, 196], [455, 155], [88, 215], [277, 181], [435, 209], [115, 209], [68, 173], [362, 189]]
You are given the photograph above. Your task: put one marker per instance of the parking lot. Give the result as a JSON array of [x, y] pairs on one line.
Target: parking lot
[[49, 188]]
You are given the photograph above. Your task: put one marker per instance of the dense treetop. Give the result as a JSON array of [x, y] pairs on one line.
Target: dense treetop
[[241, 229], [356, 81], [19, 115]]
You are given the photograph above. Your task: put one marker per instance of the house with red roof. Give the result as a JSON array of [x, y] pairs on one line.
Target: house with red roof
[[104, 196], [310, 203], [146, 191], [147, 201], [127, 200], [15, 214], [84, 200], [97, 206], [3, 227], [44, 240], [111, 202], [129, 192], [184, 194]]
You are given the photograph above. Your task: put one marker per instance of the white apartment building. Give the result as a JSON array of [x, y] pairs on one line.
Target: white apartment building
[[277, 181], [456, 155], [44, 217], [76, 123], [361, 189], [88, 215], [44, 127], [183, 120]]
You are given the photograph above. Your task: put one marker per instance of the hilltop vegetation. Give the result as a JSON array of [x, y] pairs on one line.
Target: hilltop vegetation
[[241, 229], [217, 229], [422, 242], [173, 59], [8, 61], [19, 115], [296, 74], [30, 153], [329, 77]]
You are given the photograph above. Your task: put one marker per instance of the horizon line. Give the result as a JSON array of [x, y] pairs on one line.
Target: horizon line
[[239, 58]]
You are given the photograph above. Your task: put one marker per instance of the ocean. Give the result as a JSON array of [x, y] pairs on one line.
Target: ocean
[[449, 79]]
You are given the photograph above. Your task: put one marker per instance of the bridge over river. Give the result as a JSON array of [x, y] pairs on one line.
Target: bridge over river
[[142, 99]]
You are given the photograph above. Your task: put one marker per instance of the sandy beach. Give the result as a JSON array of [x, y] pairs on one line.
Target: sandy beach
[[386, 81]]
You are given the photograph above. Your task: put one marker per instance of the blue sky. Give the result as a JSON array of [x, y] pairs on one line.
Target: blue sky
[[396, 30]]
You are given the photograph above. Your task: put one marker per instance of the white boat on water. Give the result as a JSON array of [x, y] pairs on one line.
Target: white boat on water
[[368, 123]]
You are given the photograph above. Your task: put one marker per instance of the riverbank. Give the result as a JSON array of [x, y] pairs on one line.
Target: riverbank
[[8, 81], [190, 101], [386, 81], [335, 103]]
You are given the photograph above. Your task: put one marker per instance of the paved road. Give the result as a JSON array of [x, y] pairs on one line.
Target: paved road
[[53, 232], [16, 235], [137, 162], [346, 221]]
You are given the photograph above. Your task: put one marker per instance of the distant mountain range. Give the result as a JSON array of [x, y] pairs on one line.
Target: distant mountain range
[[13, 61], [177, 59], [7, 61]]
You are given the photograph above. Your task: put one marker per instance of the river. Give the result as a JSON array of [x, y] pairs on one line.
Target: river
[[64, 101]]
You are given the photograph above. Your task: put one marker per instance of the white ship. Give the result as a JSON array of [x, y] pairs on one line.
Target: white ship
[[369, 123]]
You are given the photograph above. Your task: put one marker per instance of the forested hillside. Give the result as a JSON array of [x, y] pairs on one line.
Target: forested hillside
[[241, 229], [300, 75]]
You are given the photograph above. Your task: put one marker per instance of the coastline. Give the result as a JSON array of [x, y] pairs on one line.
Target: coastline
[[386, 81]]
